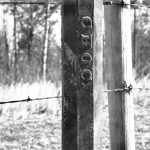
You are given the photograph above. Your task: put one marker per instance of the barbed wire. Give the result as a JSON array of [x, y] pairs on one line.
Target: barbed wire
[[29, 99], [126, 89], [60, 3], [125, 4]]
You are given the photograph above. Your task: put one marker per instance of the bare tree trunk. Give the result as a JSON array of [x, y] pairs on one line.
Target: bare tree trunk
[[15, 48], [5, 48], [30, 38], [134, 40], [45, 48], [6, 51]]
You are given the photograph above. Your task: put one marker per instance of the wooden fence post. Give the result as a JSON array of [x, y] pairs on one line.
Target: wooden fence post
[[77, 72], [118, 45], [69, 74]]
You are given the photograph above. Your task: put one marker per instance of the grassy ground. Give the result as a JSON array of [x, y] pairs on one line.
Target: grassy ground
[[37, 125], [142, 117], [30, 126]]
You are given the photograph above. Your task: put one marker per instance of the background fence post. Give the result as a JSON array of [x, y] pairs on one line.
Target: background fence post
[[118, 45], [77, 72]]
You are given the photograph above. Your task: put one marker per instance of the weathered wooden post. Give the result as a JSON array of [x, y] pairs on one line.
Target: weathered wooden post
[[118, 45], [78, 52], [77, 61]]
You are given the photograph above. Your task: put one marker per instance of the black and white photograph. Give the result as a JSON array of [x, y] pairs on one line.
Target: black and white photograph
[[74, 75]]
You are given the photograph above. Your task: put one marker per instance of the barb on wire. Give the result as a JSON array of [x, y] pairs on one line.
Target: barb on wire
[[28, 100]]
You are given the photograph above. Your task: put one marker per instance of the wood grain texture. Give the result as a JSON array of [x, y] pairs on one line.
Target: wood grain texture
[[69, 76], [77, 41], [118, 45]]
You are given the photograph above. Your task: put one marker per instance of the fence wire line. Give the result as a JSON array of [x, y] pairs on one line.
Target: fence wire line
[[29, 99], [60, 3], [127, 89], [125, 4]]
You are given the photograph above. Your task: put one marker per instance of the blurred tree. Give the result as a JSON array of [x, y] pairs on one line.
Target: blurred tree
[[45, 48], [48, 24], [4, 50], [14, 43], [141, 40]]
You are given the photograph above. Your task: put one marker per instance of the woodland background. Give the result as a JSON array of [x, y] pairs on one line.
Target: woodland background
[[28, 49], [141, 40]]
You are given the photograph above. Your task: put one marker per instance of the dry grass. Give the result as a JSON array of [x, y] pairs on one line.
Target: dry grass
[[35, 90], [30, 126], [142, 117]]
